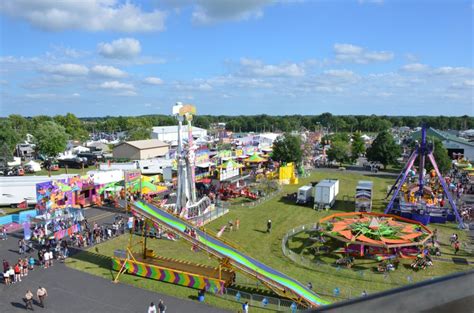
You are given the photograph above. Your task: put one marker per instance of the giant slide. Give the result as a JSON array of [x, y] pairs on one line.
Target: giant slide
[[275, 280]]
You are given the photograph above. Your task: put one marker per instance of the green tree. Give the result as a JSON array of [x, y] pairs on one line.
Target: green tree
[[339, 151], [50, 138], [384, 149], [8, 135], [73, 126], [287, 148], [441, 156], [357, 146], [20, 124], [139, 133]]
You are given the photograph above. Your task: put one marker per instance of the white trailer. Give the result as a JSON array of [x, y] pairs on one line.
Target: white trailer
[[325, 194], [363, 196], [14, 190], [304, 194]]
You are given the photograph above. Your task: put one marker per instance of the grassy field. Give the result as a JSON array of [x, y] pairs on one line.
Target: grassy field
[[252, 239], [44, 172]]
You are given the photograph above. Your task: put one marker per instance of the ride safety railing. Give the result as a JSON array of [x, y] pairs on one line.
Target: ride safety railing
[[366, 277]]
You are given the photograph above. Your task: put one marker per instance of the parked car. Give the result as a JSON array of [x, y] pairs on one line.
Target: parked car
[[73, 163]]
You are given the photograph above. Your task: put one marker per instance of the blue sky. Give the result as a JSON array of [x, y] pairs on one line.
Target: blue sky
[[111, 57]]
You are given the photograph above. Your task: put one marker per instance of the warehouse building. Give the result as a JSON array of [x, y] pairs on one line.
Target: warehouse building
[[141, 149]]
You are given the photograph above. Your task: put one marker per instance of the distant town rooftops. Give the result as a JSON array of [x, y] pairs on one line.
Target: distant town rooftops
[[172, 129]]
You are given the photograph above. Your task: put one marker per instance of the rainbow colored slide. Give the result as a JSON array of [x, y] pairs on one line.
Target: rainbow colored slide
[[275, 280]]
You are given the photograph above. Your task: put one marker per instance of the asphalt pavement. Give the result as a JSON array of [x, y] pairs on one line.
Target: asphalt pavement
[[78, 292]]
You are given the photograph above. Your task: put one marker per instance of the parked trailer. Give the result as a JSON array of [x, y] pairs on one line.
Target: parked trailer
[[325, 194], [304, 194], [363, 196], [17, 189]]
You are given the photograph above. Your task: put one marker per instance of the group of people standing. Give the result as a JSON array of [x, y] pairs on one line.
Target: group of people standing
[[161, 307]]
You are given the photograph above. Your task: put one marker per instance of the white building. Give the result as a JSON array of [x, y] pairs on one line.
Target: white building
[[170, 133]]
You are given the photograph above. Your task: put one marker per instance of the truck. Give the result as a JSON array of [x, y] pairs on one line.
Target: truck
[[363, 196], [304, 194], [325, 193]]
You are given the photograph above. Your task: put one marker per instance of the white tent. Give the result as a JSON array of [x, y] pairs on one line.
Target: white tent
[[80, 149], [35, 166]]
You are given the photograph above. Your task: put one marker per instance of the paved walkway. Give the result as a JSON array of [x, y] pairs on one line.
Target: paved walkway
[[75, 291]]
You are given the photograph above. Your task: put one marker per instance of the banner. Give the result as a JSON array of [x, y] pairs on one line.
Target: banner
[[26, 231], [67, 232]]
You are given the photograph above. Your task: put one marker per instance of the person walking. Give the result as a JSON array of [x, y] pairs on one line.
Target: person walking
[[237, 224], [269, 226], [245, 307], [456, 247], [29, 300], [152, 308], [41, 293], [161, 307]]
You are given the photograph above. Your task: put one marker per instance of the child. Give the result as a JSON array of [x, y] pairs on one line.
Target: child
[[31, 262]]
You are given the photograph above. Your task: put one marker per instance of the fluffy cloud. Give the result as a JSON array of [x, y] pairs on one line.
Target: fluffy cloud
[[350, 53], [153, 81], [415, 67], [212, 11], [67, 69], [89, 15], [108, 71], [116, 85], [120, 49], [258, 68], [448, 70]]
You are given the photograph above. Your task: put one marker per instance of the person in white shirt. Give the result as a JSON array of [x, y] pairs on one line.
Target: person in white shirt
[[46, 259], [152, 308], [51, 257]]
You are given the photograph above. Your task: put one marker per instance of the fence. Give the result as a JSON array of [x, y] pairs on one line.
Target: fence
[[209, 216], [262, 199], [260, 301], [18, 217], [365, 277]]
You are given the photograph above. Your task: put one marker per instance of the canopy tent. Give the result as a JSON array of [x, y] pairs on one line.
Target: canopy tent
[[255, 158], [35, 166], [230, 164]]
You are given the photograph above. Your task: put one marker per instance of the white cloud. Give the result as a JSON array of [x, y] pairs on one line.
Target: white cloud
[[153, 81], [204, 87], [76, 94], [415, 67], [120, 49], [350, 53], [67, 69], [108, 71], [258, 68], [89, 15], [448, 70], [213, 11], [116, 85]]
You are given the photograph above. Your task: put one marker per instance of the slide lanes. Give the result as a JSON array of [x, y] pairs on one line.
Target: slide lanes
[[237, 258]]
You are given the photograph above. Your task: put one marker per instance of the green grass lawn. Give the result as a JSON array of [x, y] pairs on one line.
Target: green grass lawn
[[252, 239], [44, 172]]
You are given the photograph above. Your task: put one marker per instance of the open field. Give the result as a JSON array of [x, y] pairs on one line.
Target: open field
[[252, 239]]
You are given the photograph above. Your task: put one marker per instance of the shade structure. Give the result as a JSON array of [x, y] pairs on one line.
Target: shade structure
[[255, 158], [230, 163]]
